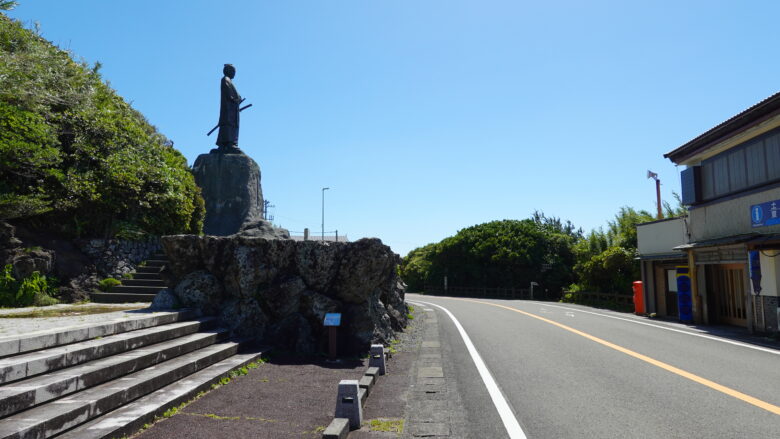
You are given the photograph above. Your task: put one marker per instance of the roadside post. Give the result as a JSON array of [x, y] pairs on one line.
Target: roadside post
[[377, 358], [332, 322], [348, 403]]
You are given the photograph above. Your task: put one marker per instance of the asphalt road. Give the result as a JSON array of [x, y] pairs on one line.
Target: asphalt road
[[568, 371]]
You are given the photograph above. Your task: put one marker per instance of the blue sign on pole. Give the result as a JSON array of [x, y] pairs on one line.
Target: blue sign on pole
[[684, 299], [754, 263], [332, 319], [765, 214]]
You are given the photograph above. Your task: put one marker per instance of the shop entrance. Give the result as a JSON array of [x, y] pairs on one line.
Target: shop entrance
[[726, 286]]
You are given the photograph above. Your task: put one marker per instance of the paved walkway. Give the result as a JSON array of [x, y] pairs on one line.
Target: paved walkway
[[17, 326]]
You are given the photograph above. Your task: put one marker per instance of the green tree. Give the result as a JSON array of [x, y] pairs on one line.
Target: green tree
[[606, 261], [508, 253]]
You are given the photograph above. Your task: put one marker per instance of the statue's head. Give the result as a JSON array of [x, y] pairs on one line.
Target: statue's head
[[229, 71]]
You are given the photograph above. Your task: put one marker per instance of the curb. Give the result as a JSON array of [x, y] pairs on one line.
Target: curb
[[339, 427]]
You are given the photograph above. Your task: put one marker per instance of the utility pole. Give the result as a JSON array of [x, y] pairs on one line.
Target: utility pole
[[323, 212], [267, 205], [654, 176]]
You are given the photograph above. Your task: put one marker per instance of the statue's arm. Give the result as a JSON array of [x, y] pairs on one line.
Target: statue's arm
[[230, 90]]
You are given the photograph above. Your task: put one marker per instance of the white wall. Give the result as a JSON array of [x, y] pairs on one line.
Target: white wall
[[661, 237]]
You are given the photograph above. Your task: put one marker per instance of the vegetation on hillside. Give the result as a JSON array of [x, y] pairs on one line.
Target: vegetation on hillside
[[75, 155]]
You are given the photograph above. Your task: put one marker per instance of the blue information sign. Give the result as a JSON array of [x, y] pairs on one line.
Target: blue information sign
[[765, 214], [332, 319]]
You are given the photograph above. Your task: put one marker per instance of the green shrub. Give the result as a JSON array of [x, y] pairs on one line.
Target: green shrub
[[8, 287], [35, 290], [107, 283]]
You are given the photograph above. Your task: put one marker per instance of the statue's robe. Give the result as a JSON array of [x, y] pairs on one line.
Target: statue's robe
[[228, 114]]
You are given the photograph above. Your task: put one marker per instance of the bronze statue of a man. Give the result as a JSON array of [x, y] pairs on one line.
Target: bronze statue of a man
[[227, 139]]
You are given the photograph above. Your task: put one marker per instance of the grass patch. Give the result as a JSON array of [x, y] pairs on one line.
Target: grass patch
[[213, 416], [225, 380], [393, 348], [106, 284], [386, 425], [67, 312]]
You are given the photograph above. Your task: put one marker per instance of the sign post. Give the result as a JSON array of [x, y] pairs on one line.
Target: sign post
[[332, 322]]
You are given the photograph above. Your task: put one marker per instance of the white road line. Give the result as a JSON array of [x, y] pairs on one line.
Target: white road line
[[694, 334], [504, 411]]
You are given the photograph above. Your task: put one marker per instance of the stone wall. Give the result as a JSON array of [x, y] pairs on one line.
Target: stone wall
[[279, 290], [113, 257]]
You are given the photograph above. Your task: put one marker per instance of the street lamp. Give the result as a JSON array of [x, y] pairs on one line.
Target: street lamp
[[323, 212]]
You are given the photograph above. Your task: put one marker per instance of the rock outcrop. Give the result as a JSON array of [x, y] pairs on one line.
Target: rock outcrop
[[279, 290], [230, 184]]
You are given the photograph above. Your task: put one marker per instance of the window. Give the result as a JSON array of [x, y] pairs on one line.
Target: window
[[749, 165]]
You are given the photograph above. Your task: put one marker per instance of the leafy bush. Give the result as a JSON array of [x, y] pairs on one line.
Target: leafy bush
[[34, 290], [75, 154], [106, 284], [505, 254], [606, 261]]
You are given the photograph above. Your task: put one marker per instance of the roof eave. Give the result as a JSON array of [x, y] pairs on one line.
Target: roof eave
[[766, 109]]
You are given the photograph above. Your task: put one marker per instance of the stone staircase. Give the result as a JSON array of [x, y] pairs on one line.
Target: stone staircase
[[106, 380], [144, 285]]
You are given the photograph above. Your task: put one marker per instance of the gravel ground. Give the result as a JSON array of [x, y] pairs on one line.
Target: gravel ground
[[293, 397]]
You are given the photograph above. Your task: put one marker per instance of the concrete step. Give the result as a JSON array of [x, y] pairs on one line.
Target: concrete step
[[132, 321], [135, 289], [152, 276], [152, 270], [46, 360], [38, 390], [156, 262], [135, 282], [131, 417], [121, 297], [50, 419]]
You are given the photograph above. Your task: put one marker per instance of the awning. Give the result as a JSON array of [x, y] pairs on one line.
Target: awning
[[768, 242], [658, 257], [728, 240]]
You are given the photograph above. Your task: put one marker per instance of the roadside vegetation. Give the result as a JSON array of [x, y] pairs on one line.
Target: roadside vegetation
[[549, 251], [75, 157]]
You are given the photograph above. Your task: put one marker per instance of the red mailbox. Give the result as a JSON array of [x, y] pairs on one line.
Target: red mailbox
[[639, 298]]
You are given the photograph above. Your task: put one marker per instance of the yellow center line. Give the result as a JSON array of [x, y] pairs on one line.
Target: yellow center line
[[668, 367]]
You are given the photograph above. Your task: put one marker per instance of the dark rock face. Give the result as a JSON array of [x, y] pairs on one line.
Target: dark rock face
[[280, 290], [27, 262], [231, 190]]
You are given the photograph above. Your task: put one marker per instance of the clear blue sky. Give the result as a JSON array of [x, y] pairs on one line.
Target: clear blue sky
[[425, 117]]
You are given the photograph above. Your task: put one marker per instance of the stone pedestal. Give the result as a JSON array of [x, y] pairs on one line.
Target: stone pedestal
[[231, 189]]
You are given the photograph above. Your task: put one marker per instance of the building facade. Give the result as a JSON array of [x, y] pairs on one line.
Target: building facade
[[659, 260], [731, 185]]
